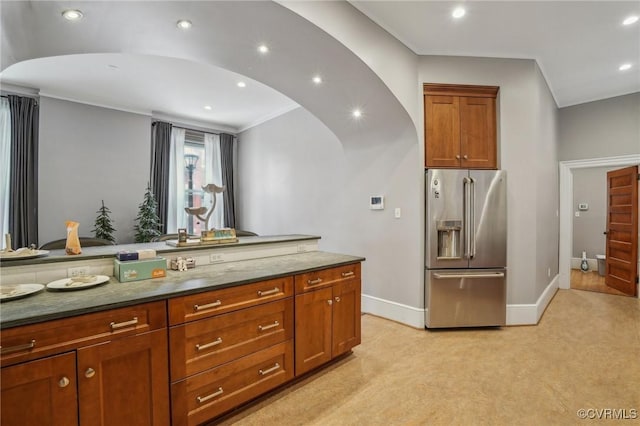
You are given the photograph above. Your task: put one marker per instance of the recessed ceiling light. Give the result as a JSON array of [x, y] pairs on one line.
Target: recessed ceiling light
[[317, 79], [630, 20], [458, 12], [263, 48], [357, 113], [624, 67], [184, 24], [207, 107], [242, 84], [72, 14]]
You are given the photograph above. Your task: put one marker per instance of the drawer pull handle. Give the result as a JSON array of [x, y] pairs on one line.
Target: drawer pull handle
[[64, 382], [89, 373], [115, 326], [207, 306], [316, 281], [267, 327], [269, 370], [275, 290], [348, 274], [209, 345], [202, 399], [17, 348]]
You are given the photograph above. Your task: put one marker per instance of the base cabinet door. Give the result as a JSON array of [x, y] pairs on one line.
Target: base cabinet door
[[41, 392], [327, 315], [346, 317], [125, 382], [313, 329]]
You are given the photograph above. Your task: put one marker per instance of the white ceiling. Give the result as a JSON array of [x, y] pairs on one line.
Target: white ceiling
[[164, 87], [578, 45]]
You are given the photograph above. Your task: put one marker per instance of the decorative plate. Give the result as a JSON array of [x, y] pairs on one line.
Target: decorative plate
[[17, 291], [22, 253], [78, 283]]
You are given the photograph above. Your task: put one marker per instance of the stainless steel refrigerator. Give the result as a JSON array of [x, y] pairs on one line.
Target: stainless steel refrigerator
[[466, 248]]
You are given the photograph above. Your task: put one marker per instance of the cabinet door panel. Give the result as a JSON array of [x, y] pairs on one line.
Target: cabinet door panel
[[311, 281], [313, 329], [442, 132], [478, 132], [204, 396], [130, 383], [57, 336], [35, 393], [210, 342], [346, 317], [205, 305]]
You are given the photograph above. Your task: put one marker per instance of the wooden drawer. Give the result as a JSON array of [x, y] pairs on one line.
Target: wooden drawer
[[207, 343], [34, 341], [326, 277], [209, 394], [203, 305]]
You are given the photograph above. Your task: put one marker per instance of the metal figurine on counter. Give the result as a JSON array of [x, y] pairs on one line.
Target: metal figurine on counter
[[212, 189], [210, 235]]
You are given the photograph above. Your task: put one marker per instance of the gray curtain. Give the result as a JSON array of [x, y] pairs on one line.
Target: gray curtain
[[226, 156], [23, 213], [160, 154]]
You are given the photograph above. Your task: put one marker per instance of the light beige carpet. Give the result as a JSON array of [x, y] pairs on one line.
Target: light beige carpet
[[584, 354]]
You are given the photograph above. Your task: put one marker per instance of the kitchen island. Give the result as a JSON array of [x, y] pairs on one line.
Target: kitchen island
[[182, 349]]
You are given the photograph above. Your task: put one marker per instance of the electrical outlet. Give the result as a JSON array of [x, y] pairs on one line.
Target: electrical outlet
[[77, 271], [302, 248], [216, 258]]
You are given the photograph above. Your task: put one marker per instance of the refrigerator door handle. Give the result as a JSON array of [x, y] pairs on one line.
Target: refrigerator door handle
[[466, 191], [472, 218], [440, 276]]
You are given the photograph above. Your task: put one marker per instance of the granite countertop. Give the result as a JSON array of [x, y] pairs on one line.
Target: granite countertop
[[160, 247], [48, 305]]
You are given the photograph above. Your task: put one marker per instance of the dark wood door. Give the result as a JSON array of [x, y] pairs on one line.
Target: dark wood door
[[346, 316], [41, 392], [313, 329], [125, 381], [478, 133], [442, 132], [622, 230]]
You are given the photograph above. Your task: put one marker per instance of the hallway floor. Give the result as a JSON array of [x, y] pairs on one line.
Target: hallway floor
[[584, 354], [591, 281]]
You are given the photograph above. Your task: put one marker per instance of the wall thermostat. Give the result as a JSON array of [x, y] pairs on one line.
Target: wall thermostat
[[376, 202], [583, 207]]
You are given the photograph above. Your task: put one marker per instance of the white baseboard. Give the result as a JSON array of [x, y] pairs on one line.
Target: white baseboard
[[404, 314], [530, 314], [521, 314]]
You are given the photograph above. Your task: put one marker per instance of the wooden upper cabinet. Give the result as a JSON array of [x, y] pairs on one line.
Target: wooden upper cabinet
[[460, 126]]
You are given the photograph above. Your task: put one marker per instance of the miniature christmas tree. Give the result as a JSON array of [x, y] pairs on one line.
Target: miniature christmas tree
[[103, 227], [148, 222]]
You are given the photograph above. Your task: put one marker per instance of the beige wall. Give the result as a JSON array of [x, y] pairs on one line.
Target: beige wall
[[590, 186], [606, 128], [88, 154]]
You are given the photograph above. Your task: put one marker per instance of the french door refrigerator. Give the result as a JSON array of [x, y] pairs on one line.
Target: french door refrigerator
[[466, 248]]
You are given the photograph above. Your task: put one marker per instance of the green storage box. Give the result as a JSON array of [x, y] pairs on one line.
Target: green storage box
[[136, 270]]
